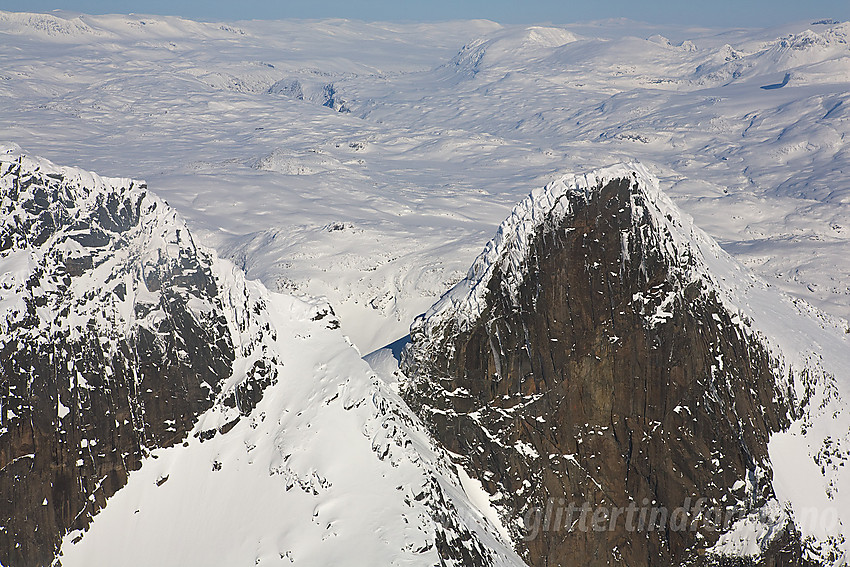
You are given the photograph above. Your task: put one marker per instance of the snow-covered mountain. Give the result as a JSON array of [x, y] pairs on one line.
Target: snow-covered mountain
[[151, 394], [363, 166], [603, 350], [113, 342]]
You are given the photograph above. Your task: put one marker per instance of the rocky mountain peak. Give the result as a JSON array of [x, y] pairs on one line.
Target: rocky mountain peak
[[591, 358], [114, 340]]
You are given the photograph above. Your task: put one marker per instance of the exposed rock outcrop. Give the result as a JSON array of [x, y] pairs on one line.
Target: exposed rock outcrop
[[586, 359], [114, 339]]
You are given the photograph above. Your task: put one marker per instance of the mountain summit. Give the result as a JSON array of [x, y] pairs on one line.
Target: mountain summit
[[627, 393]]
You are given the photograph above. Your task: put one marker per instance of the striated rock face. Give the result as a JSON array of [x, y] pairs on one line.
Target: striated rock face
[[586, 359], [113, 340]]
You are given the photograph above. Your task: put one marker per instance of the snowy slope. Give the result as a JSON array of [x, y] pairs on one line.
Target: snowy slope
[[811, 349], [329, 469], [294, 451]]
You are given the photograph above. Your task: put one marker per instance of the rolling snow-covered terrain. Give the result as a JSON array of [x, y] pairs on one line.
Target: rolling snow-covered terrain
[[369, 162]]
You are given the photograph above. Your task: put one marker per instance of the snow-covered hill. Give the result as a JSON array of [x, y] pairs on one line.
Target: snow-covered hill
[[232, 425]]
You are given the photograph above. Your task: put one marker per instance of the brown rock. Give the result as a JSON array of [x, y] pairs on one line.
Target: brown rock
[[569, 392]]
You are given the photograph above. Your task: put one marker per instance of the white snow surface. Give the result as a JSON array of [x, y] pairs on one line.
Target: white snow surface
[[382, 208]]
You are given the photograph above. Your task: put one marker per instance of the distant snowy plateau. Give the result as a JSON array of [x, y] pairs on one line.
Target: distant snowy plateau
[[220, 342]]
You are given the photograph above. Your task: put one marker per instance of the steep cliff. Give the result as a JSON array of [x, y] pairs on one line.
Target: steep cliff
[[113, 342], [596, 358]]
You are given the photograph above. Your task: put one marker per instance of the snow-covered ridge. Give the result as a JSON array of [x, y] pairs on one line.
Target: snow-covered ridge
[[529, 42], [81, 28], [809, 56], [47, 24], [329, 468]]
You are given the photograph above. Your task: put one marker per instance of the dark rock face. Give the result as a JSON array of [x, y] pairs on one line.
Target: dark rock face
[[608, 376], [113, 342]]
